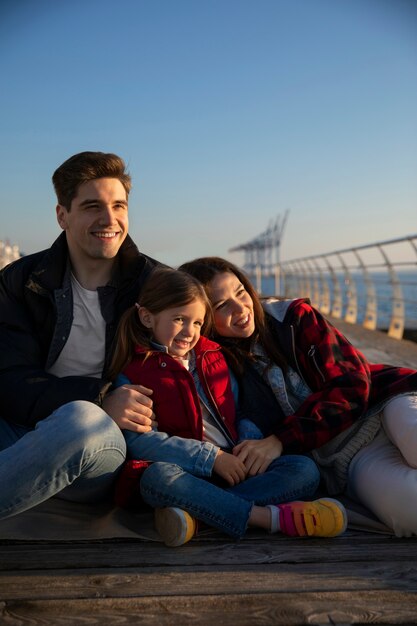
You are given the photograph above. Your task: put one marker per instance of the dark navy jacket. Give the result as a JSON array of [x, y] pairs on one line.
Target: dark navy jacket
[[35, 320]]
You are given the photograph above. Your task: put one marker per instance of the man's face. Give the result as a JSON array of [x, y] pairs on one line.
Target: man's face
[[97, 223]]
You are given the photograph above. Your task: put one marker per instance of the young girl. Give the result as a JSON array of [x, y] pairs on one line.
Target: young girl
[[198, 470], [304, 382]]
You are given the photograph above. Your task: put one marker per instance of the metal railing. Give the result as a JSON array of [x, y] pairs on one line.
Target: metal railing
[[374, 284]]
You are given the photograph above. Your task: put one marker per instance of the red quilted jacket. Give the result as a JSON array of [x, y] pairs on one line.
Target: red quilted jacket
[[175, 399]]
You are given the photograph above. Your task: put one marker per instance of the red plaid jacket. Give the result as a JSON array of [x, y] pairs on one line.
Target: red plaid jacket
[[344, 384]]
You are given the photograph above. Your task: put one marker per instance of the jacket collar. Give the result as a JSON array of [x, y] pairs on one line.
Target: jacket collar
[[202, 345], [50, 272]]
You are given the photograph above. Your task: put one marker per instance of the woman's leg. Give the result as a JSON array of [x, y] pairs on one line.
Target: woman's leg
[[399, 419], [75, 453], [383, 475]]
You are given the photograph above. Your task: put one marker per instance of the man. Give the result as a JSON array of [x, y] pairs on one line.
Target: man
[[60, 427]]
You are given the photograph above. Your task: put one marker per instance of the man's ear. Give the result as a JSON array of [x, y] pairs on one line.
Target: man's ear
[[145, 317], [61, 216]]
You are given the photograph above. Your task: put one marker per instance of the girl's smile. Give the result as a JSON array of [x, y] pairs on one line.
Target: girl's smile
[[178, 328]]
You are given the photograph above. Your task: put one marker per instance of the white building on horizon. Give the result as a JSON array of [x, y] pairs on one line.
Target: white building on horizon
[[8, 253]]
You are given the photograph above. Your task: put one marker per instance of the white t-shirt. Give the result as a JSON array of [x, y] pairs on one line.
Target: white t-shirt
[[84, 351]]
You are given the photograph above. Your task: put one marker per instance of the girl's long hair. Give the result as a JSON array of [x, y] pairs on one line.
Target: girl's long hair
[[205, 269], [165, 288]]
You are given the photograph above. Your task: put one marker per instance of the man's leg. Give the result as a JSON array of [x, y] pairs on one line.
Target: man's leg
[[74, 453]]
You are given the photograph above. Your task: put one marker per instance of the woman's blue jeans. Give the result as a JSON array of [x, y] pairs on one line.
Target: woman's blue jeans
[[287, 478], [75, 453]]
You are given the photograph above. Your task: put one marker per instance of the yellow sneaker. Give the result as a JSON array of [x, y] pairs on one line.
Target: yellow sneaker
[[321, 518], [175, 526]]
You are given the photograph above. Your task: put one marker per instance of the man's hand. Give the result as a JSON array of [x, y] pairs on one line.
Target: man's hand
[[131, 408], [258, 454], [229, 467]]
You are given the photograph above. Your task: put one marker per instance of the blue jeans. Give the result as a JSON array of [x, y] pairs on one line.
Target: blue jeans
[[196, 457], [287, 478], [74, 453]]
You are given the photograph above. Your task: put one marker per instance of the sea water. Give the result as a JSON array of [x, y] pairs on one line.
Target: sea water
[[383, 290]]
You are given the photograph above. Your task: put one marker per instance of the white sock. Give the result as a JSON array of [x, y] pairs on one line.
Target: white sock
[[275, 523]]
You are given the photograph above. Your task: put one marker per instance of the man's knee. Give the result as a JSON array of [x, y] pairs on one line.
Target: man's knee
[[89, 426]]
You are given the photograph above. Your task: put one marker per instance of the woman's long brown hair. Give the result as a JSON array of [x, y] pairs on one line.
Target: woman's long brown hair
[[165, 288], [205, 269]]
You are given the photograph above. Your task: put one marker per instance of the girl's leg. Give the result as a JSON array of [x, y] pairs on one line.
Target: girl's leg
[[168, 485], [288, 480], [290, 477], [75, 453], [381, 476]]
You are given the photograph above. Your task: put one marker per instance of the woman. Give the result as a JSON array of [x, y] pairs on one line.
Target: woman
[[302, 381], [196, 472]]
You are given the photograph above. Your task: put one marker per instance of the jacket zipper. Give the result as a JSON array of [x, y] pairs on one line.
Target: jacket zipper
[[295, 355], [311, 353], [221, 426]]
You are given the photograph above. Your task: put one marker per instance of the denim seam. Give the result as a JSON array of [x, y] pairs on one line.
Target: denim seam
[[205, 459]]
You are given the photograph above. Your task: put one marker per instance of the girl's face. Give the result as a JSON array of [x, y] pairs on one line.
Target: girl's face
[[232, 307], [178, 328]]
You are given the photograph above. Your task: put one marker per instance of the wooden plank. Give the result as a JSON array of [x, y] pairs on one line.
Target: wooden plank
[[381, 607], [191, 581], [21, 557]]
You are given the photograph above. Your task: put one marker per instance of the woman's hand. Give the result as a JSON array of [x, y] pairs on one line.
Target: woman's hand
[[229, 467], [257, 454]]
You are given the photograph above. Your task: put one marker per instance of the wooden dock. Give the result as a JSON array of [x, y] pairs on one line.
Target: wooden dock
[[359, 578]]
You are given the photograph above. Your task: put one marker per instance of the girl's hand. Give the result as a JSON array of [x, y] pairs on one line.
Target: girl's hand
[[257, 454], [229, 467]]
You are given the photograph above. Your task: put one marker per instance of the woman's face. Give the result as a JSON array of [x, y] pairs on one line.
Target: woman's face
[[232, 307]]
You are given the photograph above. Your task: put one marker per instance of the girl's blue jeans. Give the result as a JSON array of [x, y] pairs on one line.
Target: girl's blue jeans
[[287, 478], [75, 453], [181, 475]]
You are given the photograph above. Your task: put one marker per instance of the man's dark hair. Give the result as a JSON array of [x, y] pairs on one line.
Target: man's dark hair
[[86, 166]]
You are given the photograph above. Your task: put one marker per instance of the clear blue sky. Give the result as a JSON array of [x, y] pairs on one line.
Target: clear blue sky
[[228, 112]]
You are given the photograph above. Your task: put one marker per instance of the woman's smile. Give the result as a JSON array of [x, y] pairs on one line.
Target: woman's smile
[[232, 306]]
